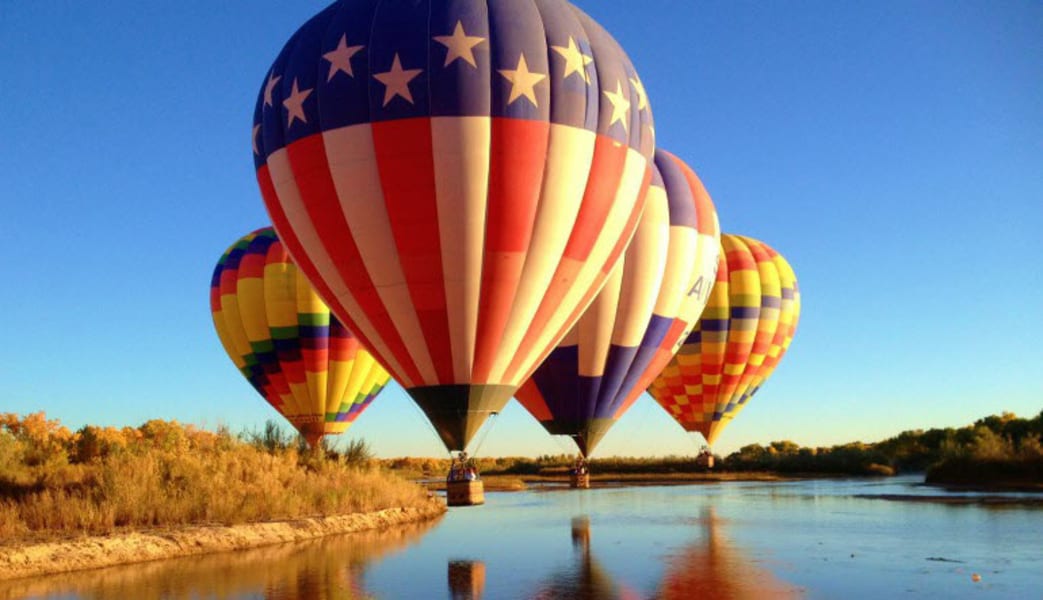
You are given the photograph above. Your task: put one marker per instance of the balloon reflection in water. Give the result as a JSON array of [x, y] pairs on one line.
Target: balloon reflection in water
[[322, 569], [714, 569], [585, 578], [466, 579]]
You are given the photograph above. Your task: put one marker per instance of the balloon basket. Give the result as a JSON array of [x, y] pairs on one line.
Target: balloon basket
[[466, 579], [704, 460], [464, 493], [579, 480]]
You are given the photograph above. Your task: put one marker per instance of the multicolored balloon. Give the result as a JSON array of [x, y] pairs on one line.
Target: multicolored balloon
[[634, 326], [457, 178], [284, 340], [744, 331]]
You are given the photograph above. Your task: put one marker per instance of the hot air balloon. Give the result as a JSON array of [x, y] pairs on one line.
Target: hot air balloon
[[633, 327], [747, 326], [284, 340], [457, 179]]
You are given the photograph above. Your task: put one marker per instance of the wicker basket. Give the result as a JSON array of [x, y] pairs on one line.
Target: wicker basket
[[464, 493]]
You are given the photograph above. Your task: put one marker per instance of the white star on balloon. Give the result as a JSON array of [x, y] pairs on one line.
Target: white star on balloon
[[340, 58], [459, 45], [523, 81], [253, 138], [642, 97], [294, 104], [268, 87], [396, 81], [620, 106], [575, 60]]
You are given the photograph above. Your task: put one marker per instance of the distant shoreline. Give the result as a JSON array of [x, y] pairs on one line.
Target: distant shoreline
[[515, 483], [91, 552], [497, 482]]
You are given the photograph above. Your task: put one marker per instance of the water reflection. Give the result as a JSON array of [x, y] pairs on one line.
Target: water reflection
[[584, 579], [466, 579], [714, 569], [321, 569], [709, 568], [733, 540]]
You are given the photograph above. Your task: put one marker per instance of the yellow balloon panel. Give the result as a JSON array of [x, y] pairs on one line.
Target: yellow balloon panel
[[284, 340]]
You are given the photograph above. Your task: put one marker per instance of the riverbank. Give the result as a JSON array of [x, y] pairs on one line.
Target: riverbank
[[267, 571], [1001, 473], [91, 552], [56, 485]]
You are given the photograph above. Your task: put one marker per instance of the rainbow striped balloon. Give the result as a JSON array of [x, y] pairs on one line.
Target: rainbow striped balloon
[[744, 331], [636, 323], [284, 340]]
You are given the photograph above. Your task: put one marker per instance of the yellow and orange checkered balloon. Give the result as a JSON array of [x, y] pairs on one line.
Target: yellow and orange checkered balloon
[[744, 331]]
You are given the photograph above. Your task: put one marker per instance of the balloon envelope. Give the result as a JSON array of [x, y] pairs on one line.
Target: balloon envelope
[[744, 331], [284, 340], [633, 327], [457, 179]]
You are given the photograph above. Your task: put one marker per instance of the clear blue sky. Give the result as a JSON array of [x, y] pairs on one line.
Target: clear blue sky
[[892, 151]]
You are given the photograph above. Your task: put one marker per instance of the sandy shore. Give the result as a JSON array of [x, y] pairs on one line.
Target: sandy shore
[[28, 560]]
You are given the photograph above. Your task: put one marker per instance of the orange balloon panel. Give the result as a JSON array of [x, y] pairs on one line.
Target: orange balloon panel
[[745, 329]]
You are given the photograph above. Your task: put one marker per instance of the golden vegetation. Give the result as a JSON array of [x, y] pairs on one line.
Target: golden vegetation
[[55, 482]]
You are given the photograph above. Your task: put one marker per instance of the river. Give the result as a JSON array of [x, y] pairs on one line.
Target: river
[[837, 538]]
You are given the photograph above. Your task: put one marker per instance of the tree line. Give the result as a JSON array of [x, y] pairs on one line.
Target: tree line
[[994, 449]]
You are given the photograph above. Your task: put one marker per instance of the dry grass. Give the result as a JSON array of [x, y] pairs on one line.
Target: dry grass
[[491, 483], [54, 483]]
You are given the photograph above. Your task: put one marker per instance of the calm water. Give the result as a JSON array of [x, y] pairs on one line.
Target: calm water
[[814, 539]]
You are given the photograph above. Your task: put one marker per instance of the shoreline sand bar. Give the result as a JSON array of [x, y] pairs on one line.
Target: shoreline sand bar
[[29, 560]]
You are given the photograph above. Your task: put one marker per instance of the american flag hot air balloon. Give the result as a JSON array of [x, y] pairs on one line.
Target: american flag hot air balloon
[[457, 178]]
